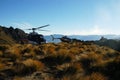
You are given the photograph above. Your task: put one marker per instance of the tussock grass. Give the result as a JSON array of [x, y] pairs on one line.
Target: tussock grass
[[95, 76], [62, 61], [54, 60], [34, 63]]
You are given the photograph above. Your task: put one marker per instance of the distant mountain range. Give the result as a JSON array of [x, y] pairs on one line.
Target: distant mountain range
[[81, 37], [11, 35]]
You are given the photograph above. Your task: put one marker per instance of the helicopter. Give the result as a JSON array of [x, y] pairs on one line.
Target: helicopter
[[63, 39], [35, 38]]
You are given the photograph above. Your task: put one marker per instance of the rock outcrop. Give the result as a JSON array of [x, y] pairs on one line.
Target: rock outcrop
[[11, 35]]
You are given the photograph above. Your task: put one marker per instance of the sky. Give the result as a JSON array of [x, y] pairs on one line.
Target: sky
[[68, 17]]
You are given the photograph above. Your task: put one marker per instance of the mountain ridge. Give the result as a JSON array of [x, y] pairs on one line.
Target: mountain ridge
[[11, 35], [14, 35]]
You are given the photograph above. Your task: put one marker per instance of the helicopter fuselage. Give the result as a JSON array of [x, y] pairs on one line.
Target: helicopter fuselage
[[34, 37], [38, 38]]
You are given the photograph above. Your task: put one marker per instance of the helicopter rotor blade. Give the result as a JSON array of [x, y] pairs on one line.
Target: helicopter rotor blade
[[38, 27], [43, 26], [44, 30]]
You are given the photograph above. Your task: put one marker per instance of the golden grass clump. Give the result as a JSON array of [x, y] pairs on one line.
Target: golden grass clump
[[51, 50], [27, 67], [75, 50], [15, 50], [92, 57], [62, 52], [2, 66], [1, 53], [48, 48], [95, 76], [34, 63], [67, 78], [54, 60], [66, 71]]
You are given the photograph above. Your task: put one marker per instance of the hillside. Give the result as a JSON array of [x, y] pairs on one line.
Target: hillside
[[11, 35], [61, 61], [111, 43], [4, 38]]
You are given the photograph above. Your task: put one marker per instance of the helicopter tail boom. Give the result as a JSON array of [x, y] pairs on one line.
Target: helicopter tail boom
[[52, 37]]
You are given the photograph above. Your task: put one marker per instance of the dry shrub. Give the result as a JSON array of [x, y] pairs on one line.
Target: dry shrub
[[54, 60], [34, 63], [96, 57], [51, 50], [117, 59], [17, 78], [67, 78], [27, 67], [3, 47], [15, 51], [69, 71], [26, 50], [110, 68], [85, 47], [38, 51], [50, 78], [92, 58], [63, 44], [10, 56], [89, 60], [63, 52], [2, 66], [75, 50], [66, 71], [110, 55], [81, 50], [95, 76], [1, 53], [30, 46], [21, 69], [78, 66], [98, 52], [48, 48]]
